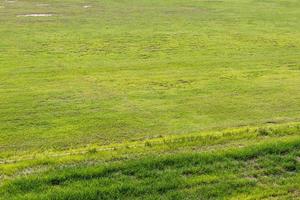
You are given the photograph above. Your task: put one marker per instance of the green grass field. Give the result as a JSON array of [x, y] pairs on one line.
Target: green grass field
[[149, 99]]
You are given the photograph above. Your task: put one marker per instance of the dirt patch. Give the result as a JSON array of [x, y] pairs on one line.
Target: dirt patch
[[36, 15]]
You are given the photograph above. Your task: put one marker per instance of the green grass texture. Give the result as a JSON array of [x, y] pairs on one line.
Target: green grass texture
[[127, 70], [150, 99]]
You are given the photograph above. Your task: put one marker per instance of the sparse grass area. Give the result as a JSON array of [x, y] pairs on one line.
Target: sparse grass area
[[149, 99]]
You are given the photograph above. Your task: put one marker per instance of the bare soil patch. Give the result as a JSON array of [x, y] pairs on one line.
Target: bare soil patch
[[36, 15]]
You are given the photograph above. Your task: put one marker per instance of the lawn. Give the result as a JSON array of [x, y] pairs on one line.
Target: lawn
[[79, 76]]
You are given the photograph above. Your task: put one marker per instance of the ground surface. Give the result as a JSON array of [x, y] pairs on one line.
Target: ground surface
[[82, 77]]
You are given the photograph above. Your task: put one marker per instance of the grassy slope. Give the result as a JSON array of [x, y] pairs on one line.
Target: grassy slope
[[125, 70], [248, 163]]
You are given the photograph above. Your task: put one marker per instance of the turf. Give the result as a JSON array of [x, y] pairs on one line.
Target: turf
[[122, 70], [113, 84]]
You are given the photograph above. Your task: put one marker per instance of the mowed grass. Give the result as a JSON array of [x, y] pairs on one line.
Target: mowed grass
[[127, 70], [150, 99]]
